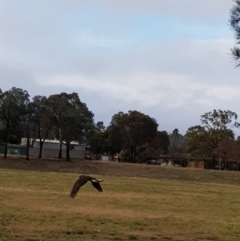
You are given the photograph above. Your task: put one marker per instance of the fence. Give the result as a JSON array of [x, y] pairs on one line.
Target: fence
[[75, 154], [34, 152]]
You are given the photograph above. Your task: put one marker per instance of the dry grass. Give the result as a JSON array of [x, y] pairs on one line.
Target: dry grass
[[122, 169], [35, 205]]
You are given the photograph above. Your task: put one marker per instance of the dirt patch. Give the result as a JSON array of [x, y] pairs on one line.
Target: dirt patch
[[121, 169]]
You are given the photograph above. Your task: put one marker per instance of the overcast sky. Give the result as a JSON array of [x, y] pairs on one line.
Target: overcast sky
[[168, 59]]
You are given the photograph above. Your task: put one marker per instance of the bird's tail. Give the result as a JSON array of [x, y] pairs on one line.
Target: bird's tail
[[97, 180]]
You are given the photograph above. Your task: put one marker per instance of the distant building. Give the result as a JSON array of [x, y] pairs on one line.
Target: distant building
[[51, 148]]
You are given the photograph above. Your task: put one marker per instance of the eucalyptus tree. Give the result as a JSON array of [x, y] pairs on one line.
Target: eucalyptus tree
[[177, 145], [214, 138], [160, 144], [42, 119], [198, 142], [71, 119], [12, 110], [176, 139], [134, 130], [219, 125], [98, 139], [57, 107], [157, 147], [103, 141], [29, 126], [219, 120], [115, 139]]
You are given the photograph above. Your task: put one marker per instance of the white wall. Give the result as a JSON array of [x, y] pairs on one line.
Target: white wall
[[54, 153], [55, 146]]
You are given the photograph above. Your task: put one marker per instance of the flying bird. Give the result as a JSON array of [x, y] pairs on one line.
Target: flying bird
[[82, 181]]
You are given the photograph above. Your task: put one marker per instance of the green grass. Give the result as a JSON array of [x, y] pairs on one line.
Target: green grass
[[36, 206]]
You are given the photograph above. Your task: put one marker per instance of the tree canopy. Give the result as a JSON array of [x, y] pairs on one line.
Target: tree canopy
[[135, 131], [13, 105], [132, 135], [42, 119], [214, 138], [71, 119]]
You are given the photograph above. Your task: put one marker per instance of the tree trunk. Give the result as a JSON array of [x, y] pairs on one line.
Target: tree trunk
[[40, 149], [41, 140], [27, 154], [6, 140], [41, 143], [133, 152], [213, 162], [68, 151], [60, 144]]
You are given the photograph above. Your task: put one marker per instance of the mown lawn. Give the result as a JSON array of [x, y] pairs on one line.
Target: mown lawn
[[36, 206]]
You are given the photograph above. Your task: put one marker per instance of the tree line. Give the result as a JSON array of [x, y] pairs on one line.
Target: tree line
[[135, 135], [60, 116], [66, 118]]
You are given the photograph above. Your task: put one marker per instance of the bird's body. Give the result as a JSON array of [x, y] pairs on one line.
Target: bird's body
[[82, 181]]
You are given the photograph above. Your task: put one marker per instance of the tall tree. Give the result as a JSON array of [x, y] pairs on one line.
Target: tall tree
[[58, 109], [42, 119], [72, 120], [176, 139], [218, 123], [136, 129], [177, 145], [99, 140], [28, 125], [219, 120], [214, 138], [104, 141], [160, 144], [198, 142], [12, 109], [114, 139]]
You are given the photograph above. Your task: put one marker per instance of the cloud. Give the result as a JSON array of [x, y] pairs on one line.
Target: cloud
[[178, 80], [148, 89], [87, 39], [210, 9], [168, 59]]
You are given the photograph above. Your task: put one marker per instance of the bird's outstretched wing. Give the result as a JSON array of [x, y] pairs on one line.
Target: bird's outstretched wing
[[97, 185], [77, 185]]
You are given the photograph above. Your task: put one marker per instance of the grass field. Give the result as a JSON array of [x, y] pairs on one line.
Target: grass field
[[35, 205]]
